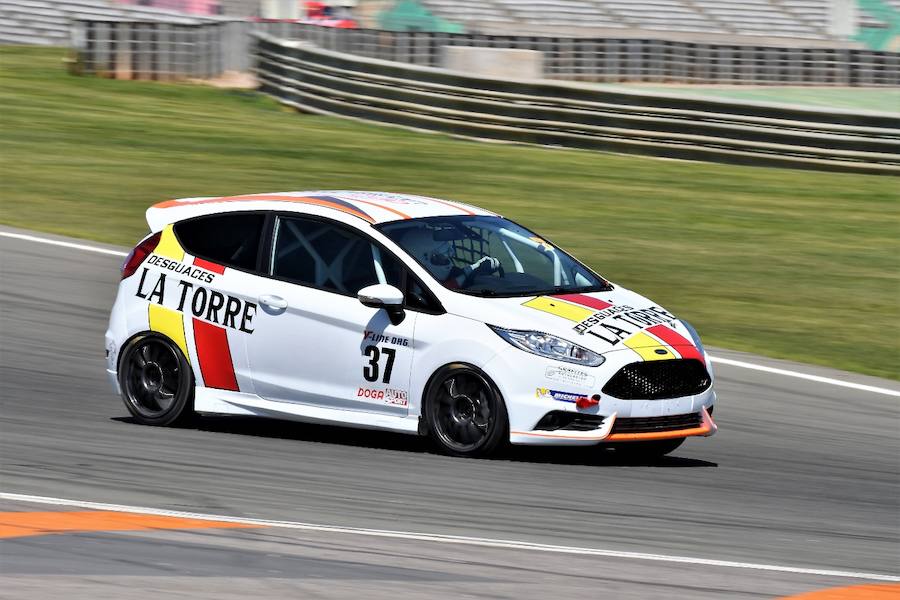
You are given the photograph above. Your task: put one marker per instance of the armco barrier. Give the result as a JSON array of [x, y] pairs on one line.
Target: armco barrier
[[621, 59], [575, 115]]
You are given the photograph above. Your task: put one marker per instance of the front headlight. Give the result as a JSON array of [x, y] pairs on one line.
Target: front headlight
[[550, 346]]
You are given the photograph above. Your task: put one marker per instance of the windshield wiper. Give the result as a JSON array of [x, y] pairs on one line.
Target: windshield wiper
[[561, 289], [481, 292]]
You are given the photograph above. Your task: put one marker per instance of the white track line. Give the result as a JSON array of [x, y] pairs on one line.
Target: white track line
[[85, 247], [798, 375], [715, 359], [449, 539]]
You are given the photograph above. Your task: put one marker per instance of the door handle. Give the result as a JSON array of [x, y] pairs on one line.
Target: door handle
[[273, 301]]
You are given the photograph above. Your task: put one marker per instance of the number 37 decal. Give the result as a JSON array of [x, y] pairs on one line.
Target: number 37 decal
[[370, 371]]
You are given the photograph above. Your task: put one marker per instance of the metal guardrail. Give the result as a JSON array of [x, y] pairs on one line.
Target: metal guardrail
[[625, 59], [575, 115]]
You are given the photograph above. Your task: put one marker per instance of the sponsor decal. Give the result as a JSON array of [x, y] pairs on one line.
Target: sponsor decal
[[549, 394], [601, 319], [202, 302], [618, 327], [112, 352], [180, 268], [392, 396], [386, 197], [599, 316], [570, 376], [377, 338], [396, 397]]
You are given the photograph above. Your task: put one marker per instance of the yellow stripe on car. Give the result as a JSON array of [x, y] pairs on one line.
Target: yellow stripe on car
[[170, 323], [560, 308], [647, 347], [168, 245]]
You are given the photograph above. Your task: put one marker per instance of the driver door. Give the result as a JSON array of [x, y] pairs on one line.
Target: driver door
[[315, 343]]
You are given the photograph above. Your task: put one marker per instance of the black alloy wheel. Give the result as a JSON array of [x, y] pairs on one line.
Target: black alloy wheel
[[465, 413], [156, 381]]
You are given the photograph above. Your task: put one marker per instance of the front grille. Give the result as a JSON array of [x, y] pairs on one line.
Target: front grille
[[569, 421], [659, 379], [654, 424]]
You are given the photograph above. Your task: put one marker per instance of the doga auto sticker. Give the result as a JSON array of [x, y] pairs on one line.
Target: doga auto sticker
[[569, 375], [202, 302], [396, 397], [549, 394], [390, 396]]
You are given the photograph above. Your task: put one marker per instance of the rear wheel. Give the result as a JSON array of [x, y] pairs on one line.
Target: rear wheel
[[647, 450], [464, 412], [156, 381]]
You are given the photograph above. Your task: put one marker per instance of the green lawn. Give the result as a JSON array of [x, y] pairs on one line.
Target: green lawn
[[791, 264]]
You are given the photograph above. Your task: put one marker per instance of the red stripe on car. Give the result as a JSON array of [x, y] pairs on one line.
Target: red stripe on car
[[209, 266], [671, 337], [583, 300], [214, 356]]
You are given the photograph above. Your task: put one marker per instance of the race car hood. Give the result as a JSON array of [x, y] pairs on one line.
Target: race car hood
[[600, 321]]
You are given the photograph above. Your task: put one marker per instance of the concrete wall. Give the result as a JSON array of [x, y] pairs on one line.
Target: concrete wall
[[504, 63]]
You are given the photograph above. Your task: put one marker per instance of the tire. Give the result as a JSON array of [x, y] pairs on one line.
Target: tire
[[464, 412], [156, 380], [647, 450]]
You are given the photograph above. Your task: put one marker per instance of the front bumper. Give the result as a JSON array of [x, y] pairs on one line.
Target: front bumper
[[606, 434], [522, 378]]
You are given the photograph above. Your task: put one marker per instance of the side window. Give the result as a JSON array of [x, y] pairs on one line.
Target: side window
[[418, 298], [329, 256], [230, 239]]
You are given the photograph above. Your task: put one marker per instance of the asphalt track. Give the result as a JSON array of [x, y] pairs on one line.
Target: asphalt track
[[801, 474]]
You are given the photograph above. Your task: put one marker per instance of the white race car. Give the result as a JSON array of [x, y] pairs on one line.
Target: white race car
[[396, 312]]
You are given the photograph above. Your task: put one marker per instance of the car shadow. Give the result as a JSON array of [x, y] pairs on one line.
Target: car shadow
[[398, 442]]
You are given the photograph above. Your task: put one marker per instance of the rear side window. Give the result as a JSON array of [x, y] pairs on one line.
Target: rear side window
[[231, 239]]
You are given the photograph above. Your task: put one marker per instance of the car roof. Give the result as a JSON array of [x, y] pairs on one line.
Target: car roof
[[372, 207]]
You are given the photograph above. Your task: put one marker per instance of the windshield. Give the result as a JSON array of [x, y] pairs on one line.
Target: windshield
[[491, 256]]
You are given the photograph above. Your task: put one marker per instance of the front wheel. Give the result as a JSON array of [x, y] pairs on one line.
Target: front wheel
[[156, 380], [464, 412], [647, 450]]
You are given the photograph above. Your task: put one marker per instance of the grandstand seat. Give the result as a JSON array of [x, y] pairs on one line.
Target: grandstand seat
[[805, 19]]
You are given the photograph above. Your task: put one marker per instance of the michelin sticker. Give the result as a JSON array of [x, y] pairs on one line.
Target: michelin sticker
[[549, 394]]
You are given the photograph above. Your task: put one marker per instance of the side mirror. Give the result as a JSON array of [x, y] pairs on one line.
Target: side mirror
[[382, 295]]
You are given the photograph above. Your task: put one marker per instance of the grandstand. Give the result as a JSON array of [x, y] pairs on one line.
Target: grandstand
[[47, 22], [773, 22], [801, 19]]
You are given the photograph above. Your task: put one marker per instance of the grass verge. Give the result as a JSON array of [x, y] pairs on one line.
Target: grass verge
[[790, 264]]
